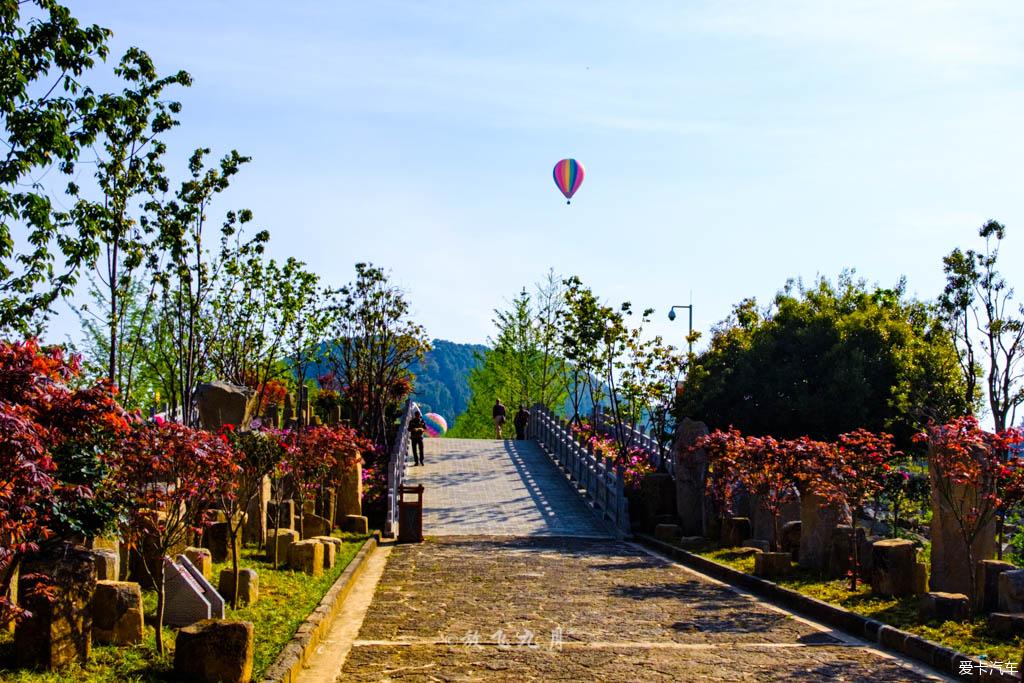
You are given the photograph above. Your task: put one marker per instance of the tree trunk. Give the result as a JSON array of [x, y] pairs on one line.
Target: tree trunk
[[160, 616], [234, 563]]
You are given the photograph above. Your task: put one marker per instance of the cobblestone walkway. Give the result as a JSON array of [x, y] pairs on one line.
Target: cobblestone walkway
[[498, 488], [561, 609]]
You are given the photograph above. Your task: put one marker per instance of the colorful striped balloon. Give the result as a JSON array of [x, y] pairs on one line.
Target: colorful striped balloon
[[436, 425], [568, 177]]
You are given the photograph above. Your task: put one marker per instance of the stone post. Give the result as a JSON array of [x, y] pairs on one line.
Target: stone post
[[818, 521], [950, 566], [350, 492], [691, 477], [59, 630]]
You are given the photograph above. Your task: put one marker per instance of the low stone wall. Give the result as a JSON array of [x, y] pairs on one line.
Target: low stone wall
[[311, 632]]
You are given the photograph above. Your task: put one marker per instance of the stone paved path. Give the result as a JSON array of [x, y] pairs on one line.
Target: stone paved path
[[469, 608], [518, 581], [498, 488]]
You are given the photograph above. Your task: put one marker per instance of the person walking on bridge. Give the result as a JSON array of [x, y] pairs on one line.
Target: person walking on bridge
[[498, 413], [520, 421], [416, 428]]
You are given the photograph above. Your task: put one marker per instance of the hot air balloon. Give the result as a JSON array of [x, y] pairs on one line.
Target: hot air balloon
[[568, 177], [436, 425]]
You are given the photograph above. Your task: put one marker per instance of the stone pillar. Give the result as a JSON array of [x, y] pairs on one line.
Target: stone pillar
[[657, 494], [350, 492], [892, 571], [255, 529], [59, 632], [951, 571], [818, 521], [691, 477], [987, 594], [289, 410]]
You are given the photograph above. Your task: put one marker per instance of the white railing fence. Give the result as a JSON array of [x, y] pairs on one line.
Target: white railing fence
[[596, 478], [396, 470]]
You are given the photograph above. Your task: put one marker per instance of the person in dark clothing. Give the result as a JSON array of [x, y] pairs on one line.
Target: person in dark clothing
[[498, 413], [416, 429], [520, 421]]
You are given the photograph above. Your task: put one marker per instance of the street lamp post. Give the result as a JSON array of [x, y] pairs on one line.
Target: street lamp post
[[672, 316]]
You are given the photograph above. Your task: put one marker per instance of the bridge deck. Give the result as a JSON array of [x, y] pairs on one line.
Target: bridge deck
[[498, 488]]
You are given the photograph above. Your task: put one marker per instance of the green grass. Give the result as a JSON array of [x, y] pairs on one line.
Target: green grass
[[286, 598], [970, 638]]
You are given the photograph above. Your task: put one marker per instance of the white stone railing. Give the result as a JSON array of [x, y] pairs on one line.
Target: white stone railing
[[661, 457], [396, 470], [595, 477]]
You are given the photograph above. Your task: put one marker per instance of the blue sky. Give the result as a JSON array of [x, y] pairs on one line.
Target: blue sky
[[728, 145]]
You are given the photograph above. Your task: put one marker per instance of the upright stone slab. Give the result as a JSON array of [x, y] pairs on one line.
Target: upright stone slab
[[283, 512], [657, 495], [331, 546], [734, 531], [1011, 591], [893, 568], [988, 583], [818, 522], [59, 632], [356, 524], [315, 525], [327, 505], [108, 565], [189, 596], [280, 540], [220, 403], [350, 491], [943, 607], [791, 534], [248, 586], [217, 539], [255, 530], [214, 651], [951, 572], [117, 613], [691, 470], [201, 559], [307, 557]]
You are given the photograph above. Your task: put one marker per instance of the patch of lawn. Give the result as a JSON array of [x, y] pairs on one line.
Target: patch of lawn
[[286, 598], [970, 638]]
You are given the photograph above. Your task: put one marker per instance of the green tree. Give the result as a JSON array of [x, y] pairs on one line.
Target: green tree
[[129, 168], [48, 116], [826, 360], [979, 312], [181, 334], [524, 364], [374, 344]]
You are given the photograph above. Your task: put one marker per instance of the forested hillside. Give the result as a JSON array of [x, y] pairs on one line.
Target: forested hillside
[[442, 377]]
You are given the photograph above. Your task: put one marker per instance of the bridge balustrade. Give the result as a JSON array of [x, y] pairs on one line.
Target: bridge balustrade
[[594, 476], [396, 470], [661, 457]]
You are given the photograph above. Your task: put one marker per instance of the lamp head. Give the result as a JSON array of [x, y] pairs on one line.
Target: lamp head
[[671, 314]]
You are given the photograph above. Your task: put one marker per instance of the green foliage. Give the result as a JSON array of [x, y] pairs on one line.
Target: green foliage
[[286, 599], [48, 116], [374, 342], [442, 377], [827, 360], [986, 325], [129, 169], [522, 368]]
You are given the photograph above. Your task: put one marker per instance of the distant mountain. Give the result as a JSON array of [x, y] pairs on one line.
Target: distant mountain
[[442, 378]]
